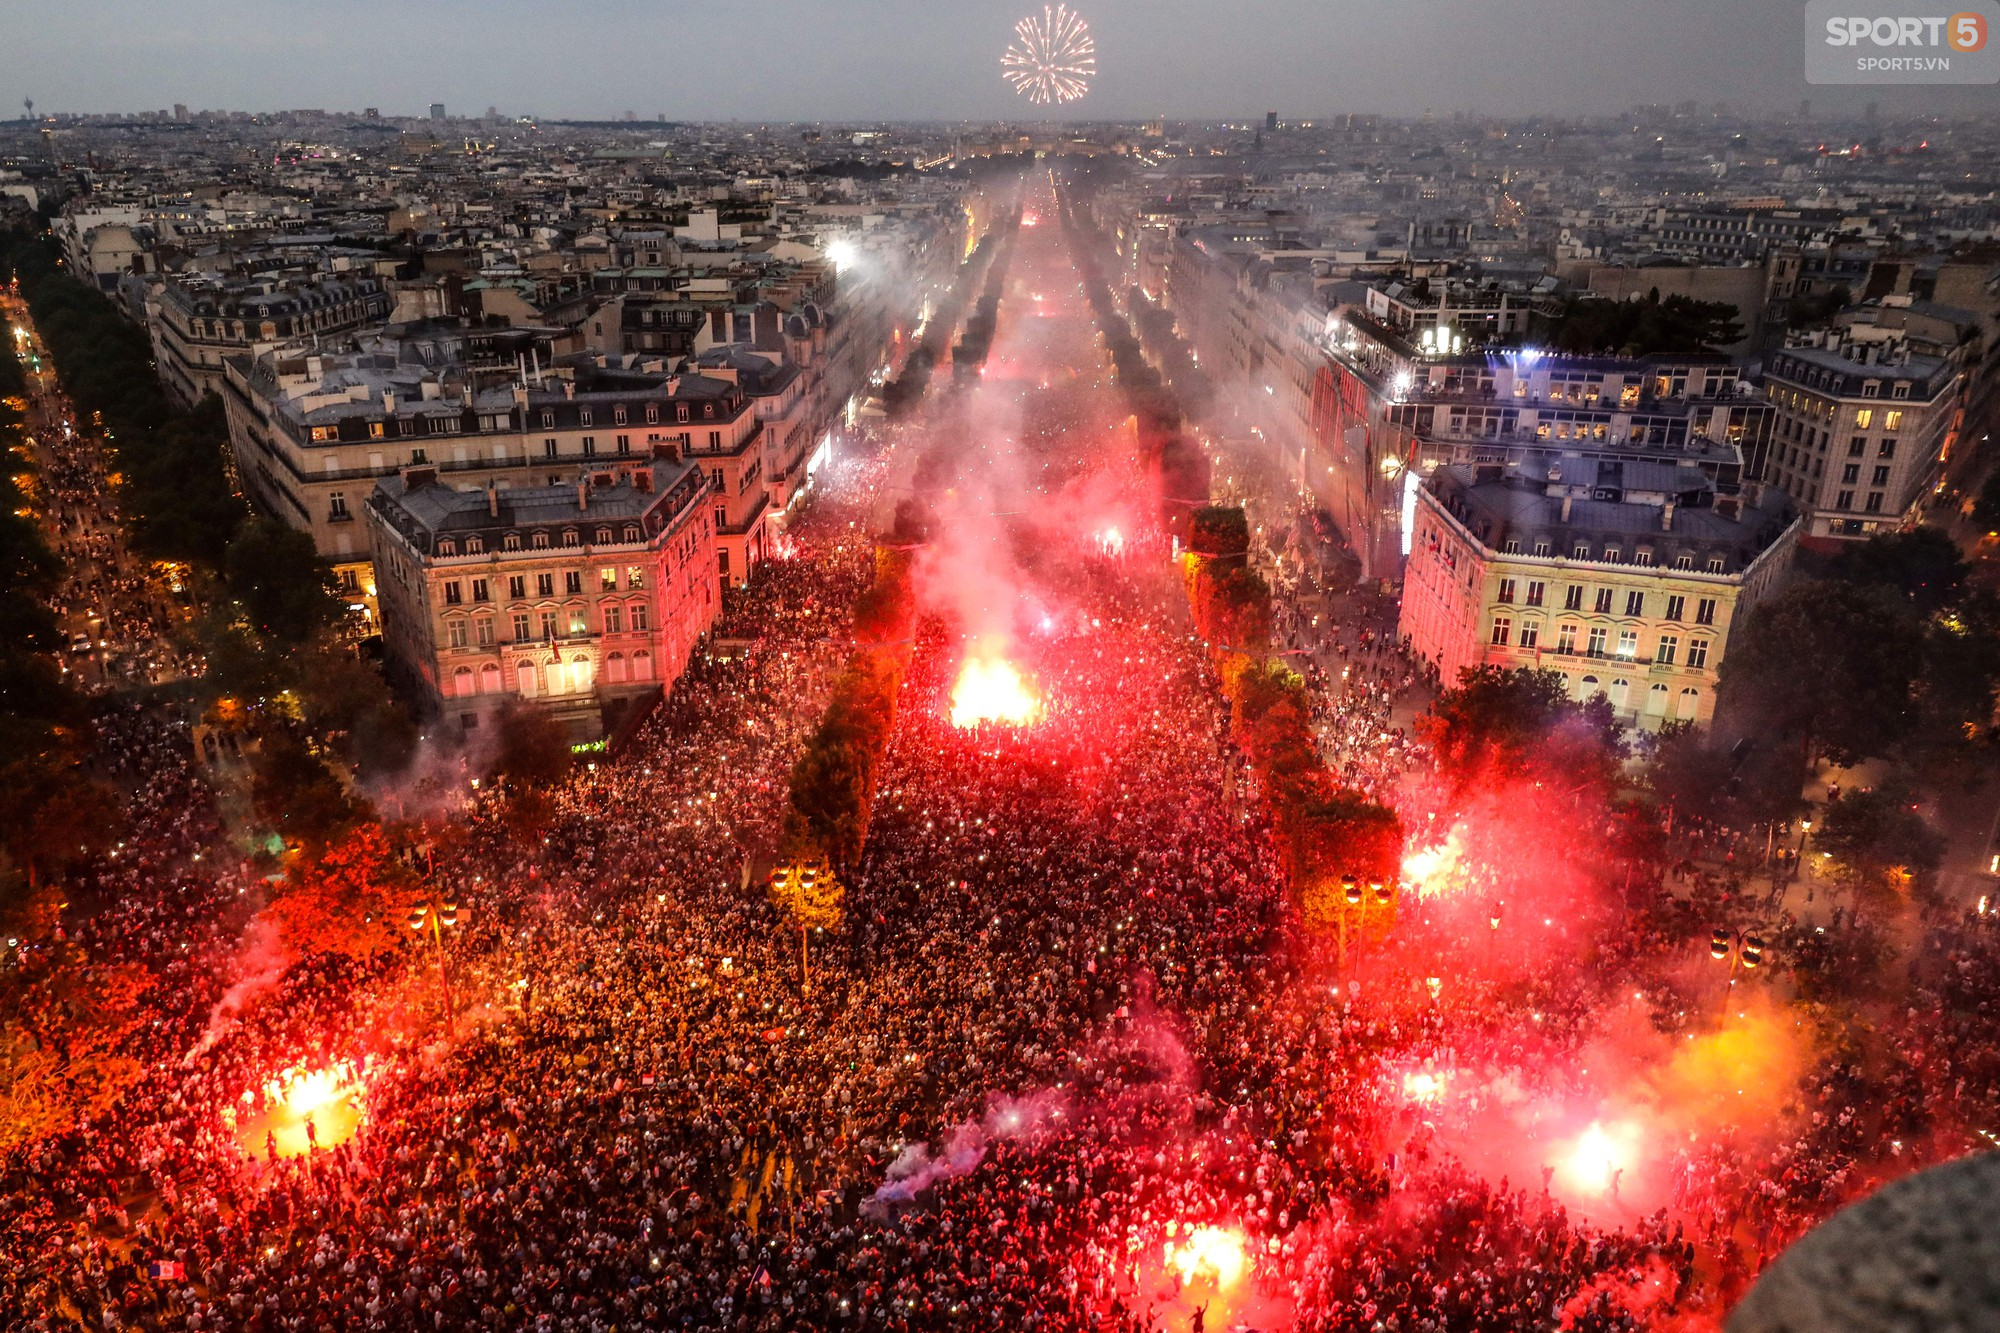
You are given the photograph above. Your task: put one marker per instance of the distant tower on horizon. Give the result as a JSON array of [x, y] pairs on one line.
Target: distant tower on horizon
[[1270, 120], [437, 110]]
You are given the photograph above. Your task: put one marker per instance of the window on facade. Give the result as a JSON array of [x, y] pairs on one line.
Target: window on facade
[[1715, 564], [1502, 627], [1851, 473], [632, 533], [455, 633], [1874, 502], [1676, 607], [1601, 603], [652, 412], [511, 542], [1670, 644], [548, 420], [548, 624], [454, 593], [540, 541], [1697, 654], [1864, 419], [1512, 546], [1887, 449], [1595, 645], [482, 591], [607, 580], [545, 585], [1573, 597], [1581, 551], [1893, 421], [1628, 643], [1843, 500], [624, 444], [1635, 603], [1684, 561], [1536, 590], [1542, 549], [517, 586], [579, 623], [1566, 638], [635, 576], [603, 537], [590, 446], [573, 581], [1704, 611], [336, 505], [680, 412], [721, 518], [474, 546], [1506, 593], [548, 448], [639, 620], [1880, 478], [618, 415], [614, 620], [521, 626], [1531, 635], [583, 416], [1857, 447], [571, 537], [482, 631]]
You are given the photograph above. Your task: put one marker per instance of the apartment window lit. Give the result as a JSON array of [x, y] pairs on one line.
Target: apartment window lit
[[1893, 421], [1628, 643], [607, 580], [635, 576], [1864, 419], [579, 623]]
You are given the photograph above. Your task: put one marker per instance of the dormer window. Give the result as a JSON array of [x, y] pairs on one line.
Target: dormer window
[[618, 415], [474, 546], [571, 537], [632, 533], [540, 541], [583, 416], [652, 411], [1684, 561], [447, 548], [1611, 555], [548, 420], [603, 537], [680, 411], [511, 542]]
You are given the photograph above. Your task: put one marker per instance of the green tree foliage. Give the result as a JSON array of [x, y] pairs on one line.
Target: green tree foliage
[[1677, 325], [1880, 841], [1830, 668], [1343, 834], [1923, 565], [1233, 606], [1521, 723], [1219, 531], [350, 899], [295, 794], [1986, 509], [534, 748], [286, 590]]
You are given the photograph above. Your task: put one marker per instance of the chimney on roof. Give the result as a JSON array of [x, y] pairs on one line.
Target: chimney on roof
[[642, 480], [492, 500], [665, 447], [569, 388], [1667, 515], [673, 385], [389, 401], [582, 491]]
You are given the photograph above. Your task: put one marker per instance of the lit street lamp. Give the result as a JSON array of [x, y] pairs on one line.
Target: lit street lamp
[[1738, 948], [440, 918]]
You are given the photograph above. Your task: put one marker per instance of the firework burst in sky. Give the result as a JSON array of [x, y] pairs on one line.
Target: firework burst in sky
[[1053, 57]]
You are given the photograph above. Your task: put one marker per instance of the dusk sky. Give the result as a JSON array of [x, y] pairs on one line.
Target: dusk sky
[[914, 59]]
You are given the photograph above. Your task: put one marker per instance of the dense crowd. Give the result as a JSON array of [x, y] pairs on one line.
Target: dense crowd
[[1068, 1033]]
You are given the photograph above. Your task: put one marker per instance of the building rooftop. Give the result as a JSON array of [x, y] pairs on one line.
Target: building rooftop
[[423, 511]]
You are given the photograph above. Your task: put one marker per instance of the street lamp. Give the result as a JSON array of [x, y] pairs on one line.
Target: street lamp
[[1357, 900], [440, 917], [1739, 948]]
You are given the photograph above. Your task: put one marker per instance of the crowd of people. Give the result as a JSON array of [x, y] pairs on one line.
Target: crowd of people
[[1068, 1062]]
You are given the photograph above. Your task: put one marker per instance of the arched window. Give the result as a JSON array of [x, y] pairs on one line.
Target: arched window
[[1618, 692], [524, 676], [1656, 701], [614, 669], [1690, 706], [642, 665], [1587, 687], [461, 682], [489, 679]]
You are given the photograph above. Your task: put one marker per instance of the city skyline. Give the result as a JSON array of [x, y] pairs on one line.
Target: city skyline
[[897, 60]]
